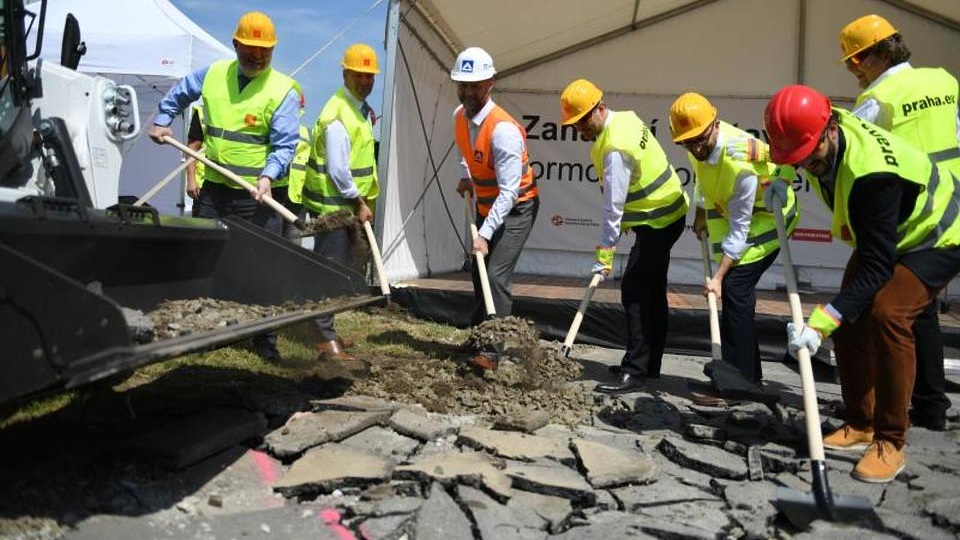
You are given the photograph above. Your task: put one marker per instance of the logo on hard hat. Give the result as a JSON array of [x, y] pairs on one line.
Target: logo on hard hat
[[466, 65], [557, 220], [258, 33]]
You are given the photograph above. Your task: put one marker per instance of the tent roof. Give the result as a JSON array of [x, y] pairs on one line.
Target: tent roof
[[521, 35], [138, 37]]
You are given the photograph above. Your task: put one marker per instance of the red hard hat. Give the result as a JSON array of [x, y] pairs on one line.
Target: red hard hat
[[795, 118]]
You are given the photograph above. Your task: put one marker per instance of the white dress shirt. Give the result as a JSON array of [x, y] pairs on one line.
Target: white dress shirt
[[508, 146]]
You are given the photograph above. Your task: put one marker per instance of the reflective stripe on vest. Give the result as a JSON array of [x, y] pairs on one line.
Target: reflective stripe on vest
[[655, 197], [869, 150], [237, 122], [320, 192], [718, 182], [479, 158], [920, 105]]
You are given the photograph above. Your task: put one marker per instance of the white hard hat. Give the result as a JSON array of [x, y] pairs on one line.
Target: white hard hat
[[472, 65]]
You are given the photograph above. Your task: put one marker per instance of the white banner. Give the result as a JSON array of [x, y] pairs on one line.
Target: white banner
[[571, 208]]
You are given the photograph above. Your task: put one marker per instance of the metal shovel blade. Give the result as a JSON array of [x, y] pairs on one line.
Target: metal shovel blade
[[802, 508]]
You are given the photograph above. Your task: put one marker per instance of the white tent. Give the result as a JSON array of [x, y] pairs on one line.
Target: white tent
[[643, 53], [149, 45]]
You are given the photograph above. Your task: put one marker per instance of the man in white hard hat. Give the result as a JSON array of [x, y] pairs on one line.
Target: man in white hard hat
[[497, 173]]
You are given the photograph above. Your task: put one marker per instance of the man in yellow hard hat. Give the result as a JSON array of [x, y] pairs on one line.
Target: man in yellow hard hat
[[732, 170], [641, 194], [342, 172], [250, 127], [493, 151], [919, 105]]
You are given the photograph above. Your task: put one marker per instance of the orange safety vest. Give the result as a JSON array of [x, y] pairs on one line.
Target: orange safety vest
[[479, 158]]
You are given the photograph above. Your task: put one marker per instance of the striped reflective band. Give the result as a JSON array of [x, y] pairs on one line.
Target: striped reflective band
[[521, 192], [944, 155], [328, 200], [655, 185], [630, 217], [240, 171], [322, 169], [234, 136]]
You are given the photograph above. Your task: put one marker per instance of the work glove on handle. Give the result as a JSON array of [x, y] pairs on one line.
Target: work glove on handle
[[748, 149], [823, 321], [604, 261], [778, 187]]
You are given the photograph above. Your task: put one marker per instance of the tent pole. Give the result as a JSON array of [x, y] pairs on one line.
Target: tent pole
[[801, 41], [389, 96]]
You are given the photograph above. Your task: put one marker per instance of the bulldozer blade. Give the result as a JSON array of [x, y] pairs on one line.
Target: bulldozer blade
[[69, 274]]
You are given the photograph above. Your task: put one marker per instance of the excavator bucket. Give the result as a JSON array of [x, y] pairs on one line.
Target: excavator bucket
[[70, 275]]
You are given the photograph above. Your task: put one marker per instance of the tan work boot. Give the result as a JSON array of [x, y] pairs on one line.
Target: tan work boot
[[332, 349], [849, 438], [881, 463]]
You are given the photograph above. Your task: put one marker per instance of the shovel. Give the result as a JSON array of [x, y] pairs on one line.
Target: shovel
[[377, 259], [166, 179], [801, 507], [267, 199], [578, 318], [481, 265], [711, 300]]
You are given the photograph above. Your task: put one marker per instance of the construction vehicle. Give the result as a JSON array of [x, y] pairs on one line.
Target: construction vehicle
[[74, 264]]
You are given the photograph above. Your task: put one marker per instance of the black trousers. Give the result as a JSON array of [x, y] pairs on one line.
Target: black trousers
[[219, 201], [341, 245], [739, 344], [643, 293], [504, 252], [929, 398]]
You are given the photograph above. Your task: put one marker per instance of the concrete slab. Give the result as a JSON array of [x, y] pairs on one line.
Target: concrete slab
[[551, 479], [518, 446], [333, 466], [383, 442], [440, 518], [420, 426], [556, 511], [306, 430], [497, 521], [608, 467], [526, 420], [188, 440], [355, 403], [471, 468], [608, 525], [706, 459]]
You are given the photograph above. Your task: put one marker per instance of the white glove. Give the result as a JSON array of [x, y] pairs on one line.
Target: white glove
[[777, 186], [807, 338], [600, 268]]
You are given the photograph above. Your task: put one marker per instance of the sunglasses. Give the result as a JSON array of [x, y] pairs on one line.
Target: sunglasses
[[699, 140], [858, 58]]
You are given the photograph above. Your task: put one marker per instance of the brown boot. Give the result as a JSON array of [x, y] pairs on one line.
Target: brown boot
[[483, 362], [332, 349], [849, 438], [881, 463], [345, 343]]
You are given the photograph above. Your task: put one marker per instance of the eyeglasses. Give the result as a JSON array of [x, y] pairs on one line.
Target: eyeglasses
[[702, 139], [820, 141], [858, 58]]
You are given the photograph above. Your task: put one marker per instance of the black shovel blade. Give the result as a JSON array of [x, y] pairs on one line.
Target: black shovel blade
[[801, 509]]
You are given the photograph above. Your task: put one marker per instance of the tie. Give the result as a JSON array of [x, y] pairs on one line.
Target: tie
[[367, 112]]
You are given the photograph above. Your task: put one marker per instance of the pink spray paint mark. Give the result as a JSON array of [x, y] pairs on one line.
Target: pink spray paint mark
[[331, 518], [269, 473]]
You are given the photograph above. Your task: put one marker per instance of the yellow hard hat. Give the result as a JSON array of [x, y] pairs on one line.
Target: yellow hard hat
[[577, 99], [256, 30], [360, 57], [864, 33], [690, 115]]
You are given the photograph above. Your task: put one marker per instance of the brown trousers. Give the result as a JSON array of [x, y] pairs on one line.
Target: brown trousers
[[876, 356]]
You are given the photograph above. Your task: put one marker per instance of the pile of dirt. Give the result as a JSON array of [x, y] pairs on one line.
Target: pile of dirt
[[174, 318], [531, 375]]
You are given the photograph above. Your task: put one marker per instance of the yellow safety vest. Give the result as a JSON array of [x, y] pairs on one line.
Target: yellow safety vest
[[717, 184], [298, 168], [237, 123], [320, 193], [920, 105], [655, 197], [869, 150]]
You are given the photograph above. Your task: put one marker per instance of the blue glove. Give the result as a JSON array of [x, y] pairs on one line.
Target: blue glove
[[778, 187], [748, 149], [599, 268], [807, 338]]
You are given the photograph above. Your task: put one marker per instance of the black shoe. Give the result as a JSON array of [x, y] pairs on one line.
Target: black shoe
[[616, 370], [933, 422], [268, 352], [627, 383]]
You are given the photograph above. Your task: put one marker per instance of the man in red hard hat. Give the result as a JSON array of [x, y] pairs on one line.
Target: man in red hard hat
[[898, 211]]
